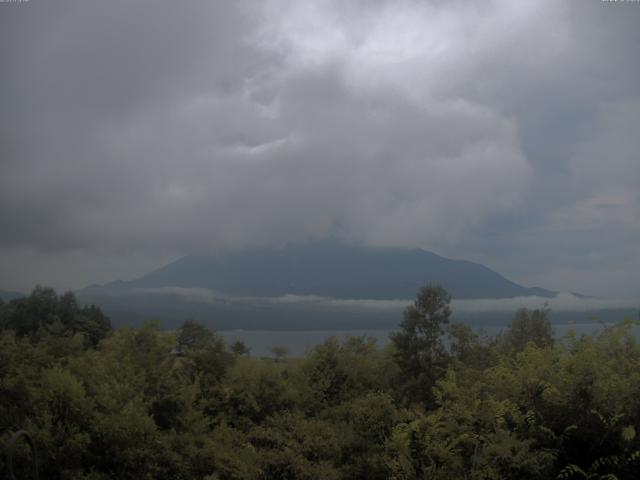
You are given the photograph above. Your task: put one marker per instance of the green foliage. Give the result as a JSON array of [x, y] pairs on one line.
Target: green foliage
[[239, 348], [338, 371], [528, 327], [280, 352], [149, 404], [291, 446], [44, 314], [419, 350], [256, 390], [467, 346]]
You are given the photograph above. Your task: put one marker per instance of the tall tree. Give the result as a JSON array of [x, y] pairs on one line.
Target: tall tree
[[529, 326], [419, 350]]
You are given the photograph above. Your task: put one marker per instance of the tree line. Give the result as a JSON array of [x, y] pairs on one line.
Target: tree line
[[441, 401]]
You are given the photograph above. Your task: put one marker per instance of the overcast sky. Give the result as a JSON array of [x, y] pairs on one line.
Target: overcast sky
[[504, 132]]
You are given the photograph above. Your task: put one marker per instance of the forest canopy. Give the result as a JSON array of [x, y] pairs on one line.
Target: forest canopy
[[441, 401]]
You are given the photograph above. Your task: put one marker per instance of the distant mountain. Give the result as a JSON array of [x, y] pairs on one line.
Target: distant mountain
[[8, 295], [322, 286], [326, 269]]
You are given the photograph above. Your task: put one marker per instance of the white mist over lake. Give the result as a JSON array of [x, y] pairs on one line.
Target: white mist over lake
[[561, 302]]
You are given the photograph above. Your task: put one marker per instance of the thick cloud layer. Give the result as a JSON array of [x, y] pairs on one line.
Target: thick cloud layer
[[502, 133]]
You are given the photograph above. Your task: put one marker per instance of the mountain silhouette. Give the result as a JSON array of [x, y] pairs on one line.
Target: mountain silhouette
[[327, 269]]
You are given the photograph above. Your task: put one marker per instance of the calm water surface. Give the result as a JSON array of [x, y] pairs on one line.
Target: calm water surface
[[298, 342]]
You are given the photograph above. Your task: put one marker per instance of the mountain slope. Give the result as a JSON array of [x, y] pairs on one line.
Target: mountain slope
[[328, 269]]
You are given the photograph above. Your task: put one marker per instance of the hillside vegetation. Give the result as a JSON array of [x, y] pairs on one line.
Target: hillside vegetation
[[440, 402]]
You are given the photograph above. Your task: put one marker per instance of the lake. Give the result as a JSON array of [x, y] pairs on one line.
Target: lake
[[298, 341]]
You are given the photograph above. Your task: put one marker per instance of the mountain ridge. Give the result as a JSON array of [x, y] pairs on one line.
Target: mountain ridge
[[327, 269]]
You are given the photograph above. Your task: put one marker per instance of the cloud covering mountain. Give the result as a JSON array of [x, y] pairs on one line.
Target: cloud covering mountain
[[137, 132]]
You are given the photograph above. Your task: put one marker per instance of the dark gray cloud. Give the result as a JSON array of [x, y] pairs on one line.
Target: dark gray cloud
[[145, 130]]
